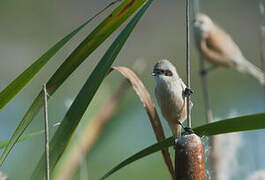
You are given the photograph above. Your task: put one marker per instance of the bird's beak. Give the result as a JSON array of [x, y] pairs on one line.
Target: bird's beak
[[153, 74]]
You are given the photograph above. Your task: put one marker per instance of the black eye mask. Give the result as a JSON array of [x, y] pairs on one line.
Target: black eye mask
[[168, 73], [161, 71]]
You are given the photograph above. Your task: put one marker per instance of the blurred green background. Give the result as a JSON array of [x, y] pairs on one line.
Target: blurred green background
[[29, 28]]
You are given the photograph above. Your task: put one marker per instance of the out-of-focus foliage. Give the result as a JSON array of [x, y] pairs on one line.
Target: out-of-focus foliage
[[86, 47], [75, 113]]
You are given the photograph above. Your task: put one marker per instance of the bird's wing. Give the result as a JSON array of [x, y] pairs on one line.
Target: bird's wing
[[221, 49], [222, 42], [212, 54], [214, 44]]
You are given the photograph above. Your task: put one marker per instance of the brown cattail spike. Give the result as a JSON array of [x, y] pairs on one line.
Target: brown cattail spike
[[189, 158]]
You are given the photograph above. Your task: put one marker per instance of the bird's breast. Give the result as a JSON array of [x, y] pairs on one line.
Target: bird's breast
[[170, 100]]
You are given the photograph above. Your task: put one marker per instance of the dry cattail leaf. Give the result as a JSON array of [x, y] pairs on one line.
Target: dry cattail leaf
[[91, 132]]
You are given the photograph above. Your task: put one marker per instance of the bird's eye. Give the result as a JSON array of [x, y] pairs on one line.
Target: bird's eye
[[168, 73]]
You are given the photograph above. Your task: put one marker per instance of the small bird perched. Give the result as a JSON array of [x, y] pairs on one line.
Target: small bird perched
[[219, 48], [170, 95]]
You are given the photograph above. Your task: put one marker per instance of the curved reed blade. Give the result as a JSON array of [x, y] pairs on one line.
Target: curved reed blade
[[93, 40], [243, 123], [73, 116]]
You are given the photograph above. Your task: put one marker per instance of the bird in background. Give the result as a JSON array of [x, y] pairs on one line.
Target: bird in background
[[219, 49], [169, 92]]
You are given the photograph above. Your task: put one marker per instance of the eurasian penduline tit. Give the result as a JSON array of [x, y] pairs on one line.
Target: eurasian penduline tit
[[219, 49], [169, 92]]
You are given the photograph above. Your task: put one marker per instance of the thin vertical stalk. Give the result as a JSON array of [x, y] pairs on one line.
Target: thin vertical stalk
[[207, 107], [188, 89], [208, 111], [209, 118], [262, 33], [195, 7], [46, 123], [188, 60]]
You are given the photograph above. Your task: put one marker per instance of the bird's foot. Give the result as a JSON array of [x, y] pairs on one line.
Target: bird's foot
[[181, 125], [205, 71], [188, 92], [187, 130]]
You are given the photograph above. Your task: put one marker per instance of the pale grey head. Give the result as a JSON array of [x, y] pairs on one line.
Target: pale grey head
[[202, 26], [203, 23], [164, 71]]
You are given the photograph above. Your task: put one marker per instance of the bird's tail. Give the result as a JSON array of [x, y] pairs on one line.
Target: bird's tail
[[253, 70]]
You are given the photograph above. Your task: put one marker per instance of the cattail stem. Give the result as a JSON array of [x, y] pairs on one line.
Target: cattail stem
[[188, 60], [262, 32], [46, 123], [209, 118], [208, 110], [195, 7], [262, 35], [189, 154]]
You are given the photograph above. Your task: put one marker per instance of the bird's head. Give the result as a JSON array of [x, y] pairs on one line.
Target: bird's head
[[164, 71], [204, 23]]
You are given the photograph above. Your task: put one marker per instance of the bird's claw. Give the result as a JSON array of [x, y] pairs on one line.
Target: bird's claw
[[188, 92], [181, 125], [203, 72], [188, 130]]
